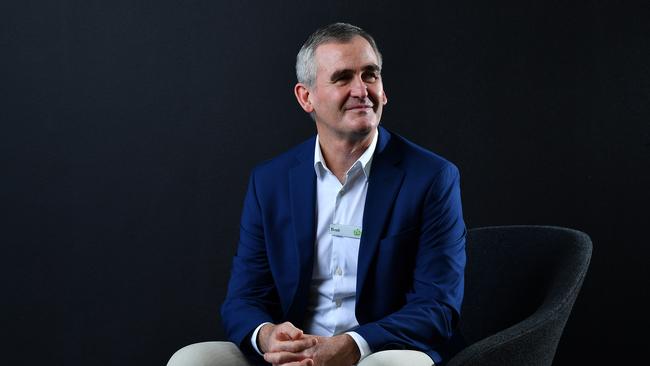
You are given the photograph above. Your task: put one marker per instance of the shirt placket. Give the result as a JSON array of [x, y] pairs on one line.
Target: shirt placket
[[338, 256], [342, 214]]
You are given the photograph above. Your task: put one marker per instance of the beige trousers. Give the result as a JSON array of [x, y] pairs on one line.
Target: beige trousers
[[227, 354]]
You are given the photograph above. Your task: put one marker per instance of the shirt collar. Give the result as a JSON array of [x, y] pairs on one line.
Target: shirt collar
[[365, 159]]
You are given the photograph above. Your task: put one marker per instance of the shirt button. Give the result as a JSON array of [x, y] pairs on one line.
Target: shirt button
[[339, 271], [338, 303]]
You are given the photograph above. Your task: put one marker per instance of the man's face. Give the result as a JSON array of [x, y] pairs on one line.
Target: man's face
[[347, 97]]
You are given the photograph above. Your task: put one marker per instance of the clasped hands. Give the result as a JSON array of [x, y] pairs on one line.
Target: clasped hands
[[286, 345]]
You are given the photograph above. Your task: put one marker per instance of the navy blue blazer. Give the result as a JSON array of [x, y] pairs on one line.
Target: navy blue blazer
[[410, 275]]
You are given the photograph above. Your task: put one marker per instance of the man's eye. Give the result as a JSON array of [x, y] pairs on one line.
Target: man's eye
[[371, 77]]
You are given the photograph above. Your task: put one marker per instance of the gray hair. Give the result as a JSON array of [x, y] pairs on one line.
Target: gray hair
[[337, 32]]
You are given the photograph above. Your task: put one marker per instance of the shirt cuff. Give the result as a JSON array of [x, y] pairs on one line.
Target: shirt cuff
[[364, 348], [254, 338]]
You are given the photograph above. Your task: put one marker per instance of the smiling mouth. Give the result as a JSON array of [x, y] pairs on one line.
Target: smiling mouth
[[359, 107]]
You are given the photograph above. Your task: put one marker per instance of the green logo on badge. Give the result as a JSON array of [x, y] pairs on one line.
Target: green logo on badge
[[357, 232]]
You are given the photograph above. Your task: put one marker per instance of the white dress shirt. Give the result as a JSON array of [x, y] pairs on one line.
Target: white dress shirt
[[330, 310]]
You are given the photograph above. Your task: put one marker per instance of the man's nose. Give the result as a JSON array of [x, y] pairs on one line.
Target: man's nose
[[359, 88]]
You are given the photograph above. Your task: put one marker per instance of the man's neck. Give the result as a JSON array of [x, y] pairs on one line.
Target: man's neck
[[340, 153]]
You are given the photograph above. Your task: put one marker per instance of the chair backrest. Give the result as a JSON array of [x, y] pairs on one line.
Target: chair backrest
[[520, 285]]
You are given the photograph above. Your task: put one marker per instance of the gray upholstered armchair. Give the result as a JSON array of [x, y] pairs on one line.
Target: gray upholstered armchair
[[521, 283]]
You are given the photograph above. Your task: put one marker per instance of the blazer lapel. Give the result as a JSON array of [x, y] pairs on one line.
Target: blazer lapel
[[302, 192], [383, 184]]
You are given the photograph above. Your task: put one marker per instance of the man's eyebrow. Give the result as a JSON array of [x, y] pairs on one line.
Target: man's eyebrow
[[372, 67], [338, 74], [345, 72]]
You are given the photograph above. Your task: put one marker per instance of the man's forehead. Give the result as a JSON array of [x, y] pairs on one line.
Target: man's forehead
[[355, 53]]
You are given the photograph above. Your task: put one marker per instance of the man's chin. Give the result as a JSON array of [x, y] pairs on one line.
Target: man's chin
[[365, 127], [362, 131]]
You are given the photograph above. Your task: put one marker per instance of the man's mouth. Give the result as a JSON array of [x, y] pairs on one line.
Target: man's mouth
[[358, 107]]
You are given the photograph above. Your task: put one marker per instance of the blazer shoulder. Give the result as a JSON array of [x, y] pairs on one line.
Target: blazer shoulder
[[422, 159]]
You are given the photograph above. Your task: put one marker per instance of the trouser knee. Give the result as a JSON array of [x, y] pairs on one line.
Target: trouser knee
[[208, 354]]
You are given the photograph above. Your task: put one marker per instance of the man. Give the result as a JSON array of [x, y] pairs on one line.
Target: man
[[353, 242]]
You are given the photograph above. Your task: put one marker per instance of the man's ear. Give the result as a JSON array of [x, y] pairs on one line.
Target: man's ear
[[384, 98], [302, 95]]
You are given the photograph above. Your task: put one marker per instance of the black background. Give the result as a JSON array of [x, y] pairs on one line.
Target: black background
[[129, 130]]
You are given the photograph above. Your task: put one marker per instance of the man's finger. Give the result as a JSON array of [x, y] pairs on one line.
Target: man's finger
[[282, 336], [295, 346], [282, 357], [290, 330], [305, 362]]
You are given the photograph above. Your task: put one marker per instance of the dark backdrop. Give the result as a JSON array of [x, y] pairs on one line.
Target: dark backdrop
[[129, 130]]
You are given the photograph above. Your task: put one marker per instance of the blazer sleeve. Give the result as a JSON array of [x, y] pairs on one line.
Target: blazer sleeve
[[251, 298], [432, 308]]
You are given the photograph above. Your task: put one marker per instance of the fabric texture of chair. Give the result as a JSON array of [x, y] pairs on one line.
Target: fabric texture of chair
[[520, 285]]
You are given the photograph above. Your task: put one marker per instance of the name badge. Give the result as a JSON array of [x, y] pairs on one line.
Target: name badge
[[347, 231]]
